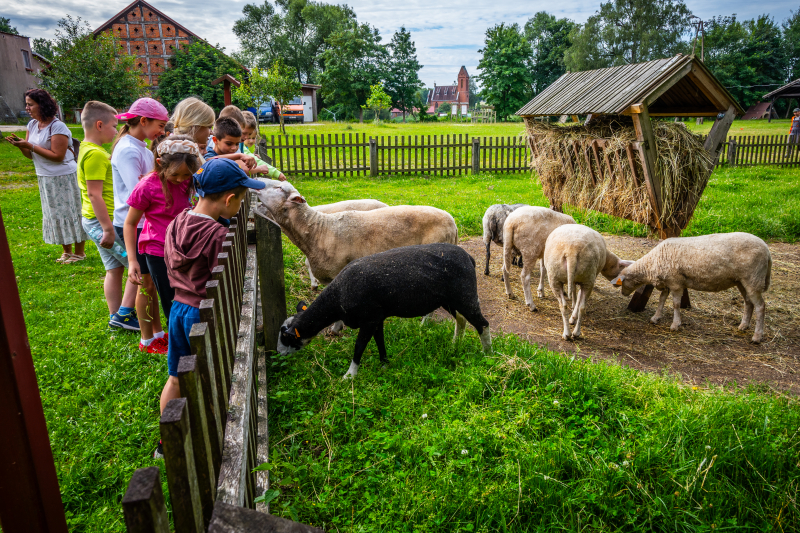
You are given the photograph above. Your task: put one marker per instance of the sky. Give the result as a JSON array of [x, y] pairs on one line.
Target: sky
[[447, 36]]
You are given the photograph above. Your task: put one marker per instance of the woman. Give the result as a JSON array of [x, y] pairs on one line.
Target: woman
[[48, 142]]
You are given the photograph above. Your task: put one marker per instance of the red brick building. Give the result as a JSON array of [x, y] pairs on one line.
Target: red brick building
[[147, 33], [456, 95]]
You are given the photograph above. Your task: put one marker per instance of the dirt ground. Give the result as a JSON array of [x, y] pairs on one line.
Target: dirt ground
[[708, 348]]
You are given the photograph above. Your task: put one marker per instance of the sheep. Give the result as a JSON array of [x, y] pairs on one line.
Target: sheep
[[407, 282], [574, 255], [710, 263], [525, 232], [330, 242], [493, 221], [345, 205]]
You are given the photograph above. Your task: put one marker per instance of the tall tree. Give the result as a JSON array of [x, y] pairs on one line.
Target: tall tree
[[402, 72], [5, 25], [293, 30], [354, 62], [191, 71], [549, 38], [43, 47], [281, 85], [628, 31], [85, 67], [791, 38], [505, 68]]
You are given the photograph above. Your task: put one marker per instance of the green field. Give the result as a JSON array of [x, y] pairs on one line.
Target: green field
[[551, 443]]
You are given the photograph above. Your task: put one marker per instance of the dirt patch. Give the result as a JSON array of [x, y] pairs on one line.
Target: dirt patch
[[708, 347], [9, 186]]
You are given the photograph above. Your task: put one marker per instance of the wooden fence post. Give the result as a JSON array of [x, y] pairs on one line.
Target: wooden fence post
[[221, 370], [269, 253], [476, 155], [373, 157], [732, 153], [143, 503], [176, 439], [201, 346]]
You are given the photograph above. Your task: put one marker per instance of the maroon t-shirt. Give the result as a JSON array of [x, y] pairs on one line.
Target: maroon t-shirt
[[191, 247]]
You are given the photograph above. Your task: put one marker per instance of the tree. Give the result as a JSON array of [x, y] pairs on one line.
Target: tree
[[402, 73], [549, 38], [628, 31], [254, 92], [474, 93], [85, 67], [505, 69], [791, 38], [444, 107], [378, 101], [281, 85], [44, 48], [296, 32], [191, 71], [5, 25], [354, 62]]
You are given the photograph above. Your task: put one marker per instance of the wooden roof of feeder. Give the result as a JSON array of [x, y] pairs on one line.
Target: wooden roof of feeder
[[671, 87]]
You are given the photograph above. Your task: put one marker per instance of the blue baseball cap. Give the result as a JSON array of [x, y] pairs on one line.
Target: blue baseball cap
[[220, 175]]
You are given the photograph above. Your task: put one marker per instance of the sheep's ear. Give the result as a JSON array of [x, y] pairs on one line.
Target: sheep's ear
[[296, 198], [617, 282], [624, 263], [301, 306]]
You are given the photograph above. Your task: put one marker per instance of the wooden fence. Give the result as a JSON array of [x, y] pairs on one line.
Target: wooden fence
[[217, 433], [356, 154]]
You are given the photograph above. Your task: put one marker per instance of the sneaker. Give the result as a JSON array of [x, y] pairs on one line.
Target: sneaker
[[128, 322], [159, 453], [159, 346]]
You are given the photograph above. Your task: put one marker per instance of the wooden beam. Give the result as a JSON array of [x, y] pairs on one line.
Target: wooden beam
[[647, 150], [719, 132], [708, 87], [667, 85]]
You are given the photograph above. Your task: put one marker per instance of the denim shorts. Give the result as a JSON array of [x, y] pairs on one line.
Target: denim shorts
[[139, 257], [181, 319], [111, 258]]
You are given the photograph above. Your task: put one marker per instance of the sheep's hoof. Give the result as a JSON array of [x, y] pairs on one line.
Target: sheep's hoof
[[347, 376], [540, 294], [571, 321], [673, 327], [655, 320], [576, 336], [533, 309], [315, 287], [743, 327], [486, 272]]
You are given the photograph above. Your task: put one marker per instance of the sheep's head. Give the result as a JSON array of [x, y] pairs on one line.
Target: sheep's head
[[290, 340], [276, 198], [626, 283]]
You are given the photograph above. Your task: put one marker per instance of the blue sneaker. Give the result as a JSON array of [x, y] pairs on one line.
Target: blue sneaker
[[128, 322]]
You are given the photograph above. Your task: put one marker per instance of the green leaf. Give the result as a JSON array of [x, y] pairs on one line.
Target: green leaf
[[268, 496]]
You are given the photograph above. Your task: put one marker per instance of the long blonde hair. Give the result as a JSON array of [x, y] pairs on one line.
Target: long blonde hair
[[192, 113]]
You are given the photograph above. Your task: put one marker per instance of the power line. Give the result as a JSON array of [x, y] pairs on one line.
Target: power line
[[751, 86]]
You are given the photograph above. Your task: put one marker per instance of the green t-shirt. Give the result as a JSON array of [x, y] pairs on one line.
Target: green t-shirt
[[94, 164]]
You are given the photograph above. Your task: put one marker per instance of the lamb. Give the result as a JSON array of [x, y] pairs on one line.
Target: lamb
[[406, 282], [709, 263], [574, 255], [330, 242], [493, 221], [345, 205], [525, 232]]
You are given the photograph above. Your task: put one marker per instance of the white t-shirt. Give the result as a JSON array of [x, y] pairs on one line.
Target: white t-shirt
[[45, 167], [130, 162]]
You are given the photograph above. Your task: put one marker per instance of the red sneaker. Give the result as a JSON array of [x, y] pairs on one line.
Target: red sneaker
[[159, 345]]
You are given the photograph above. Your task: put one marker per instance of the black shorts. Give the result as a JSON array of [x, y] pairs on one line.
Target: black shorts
[[139, 257]]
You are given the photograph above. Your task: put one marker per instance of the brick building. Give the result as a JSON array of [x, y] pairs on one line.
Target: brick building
[[456, 95], [147, 33]]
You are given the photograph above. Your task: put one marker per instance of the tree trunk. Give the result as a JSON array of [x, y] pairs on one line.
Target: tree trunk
[[360, 115], [280, 117], [404, 116]]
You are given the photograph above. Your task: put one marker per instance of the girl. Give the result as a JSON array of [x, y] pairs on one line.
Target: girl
[[130, 162], [249, 146], [194, 118], [161, 195]]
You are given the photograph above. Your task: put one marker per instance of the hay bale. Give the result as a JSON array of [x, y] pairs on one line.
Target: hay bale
[[569, 172]]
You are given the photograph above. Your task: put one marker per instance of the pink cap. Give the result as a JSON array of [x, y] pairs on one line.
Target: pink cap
[[145, 107]]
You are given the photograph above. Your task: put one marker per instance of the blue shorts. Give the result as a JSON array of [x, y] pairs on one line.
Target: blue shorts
[[181, 319]]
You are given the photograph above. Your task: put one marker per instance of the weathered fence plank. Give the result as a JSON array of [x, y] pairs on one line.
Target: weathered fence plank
[[184, 493], [143, 504]]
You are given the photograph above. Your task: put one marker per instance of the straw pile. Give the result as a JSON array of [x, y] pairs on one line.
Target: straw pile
[[683, 165]]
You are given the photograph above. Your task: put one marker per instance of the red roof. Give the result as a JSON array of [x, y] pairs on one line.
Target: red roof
[[443, 93]]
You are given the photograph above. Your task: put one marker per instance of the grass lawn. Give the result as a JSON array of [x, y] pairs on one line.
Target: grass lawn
[[747, 127], [549, 442]]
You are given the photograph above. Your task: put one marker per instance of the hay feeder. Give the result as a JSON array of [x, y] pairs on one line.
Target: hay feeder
[[621, 163]]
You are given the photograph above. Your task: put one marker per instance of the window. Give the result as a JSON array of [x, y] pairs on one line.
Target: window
[[26, 58]]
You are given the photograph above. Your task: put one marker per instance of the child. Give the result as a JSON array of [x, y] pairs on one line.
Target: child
[[161, 195], [130, 162], [194, 118], [249, 138], [193, 241], [227, 136], [97, 208]]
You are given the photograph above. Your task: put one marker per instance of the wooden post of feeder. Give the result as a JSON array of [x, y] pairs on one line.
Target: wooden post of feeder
[[226, 81]]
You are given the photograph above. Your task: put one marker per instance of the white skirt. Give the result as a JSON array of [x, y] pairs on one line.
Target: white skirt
[[61, 209]]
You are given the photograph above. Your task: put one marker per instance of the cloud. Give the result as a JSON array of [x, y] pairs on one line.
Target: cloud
[[446, 36]]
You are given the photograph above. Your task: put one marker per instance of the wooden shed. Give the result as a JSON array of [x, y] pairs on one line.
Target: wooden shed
[[791, 91], [680, 86]]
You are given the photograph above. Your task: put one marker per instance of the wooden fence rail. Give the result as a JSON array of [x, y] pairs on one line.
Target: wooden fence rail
[[446, 155]]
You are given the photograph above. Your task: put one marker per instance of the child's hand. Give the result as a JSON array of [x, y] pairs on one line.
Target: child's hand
[[248, 160], [134, 271], [108, 238], [281, 177]]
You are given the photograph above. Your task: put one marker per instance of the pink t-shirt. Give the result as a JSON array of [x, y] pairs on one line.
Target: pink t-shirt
[[148, 196]]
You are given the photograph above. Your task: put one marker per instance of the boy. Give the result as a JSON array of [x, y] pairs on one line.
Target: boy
[[249, 137], [97, 209], [226, 139], [193, 241]]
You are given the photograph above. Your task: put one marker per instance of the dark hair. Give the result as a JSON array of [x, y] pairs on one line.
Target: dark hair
[[226, 127], [48, 107], [170, 163], [237, 191]]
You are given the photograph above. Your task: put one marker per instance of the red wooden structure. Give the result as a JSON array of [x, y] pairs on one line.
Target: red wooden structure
[[226, 81]]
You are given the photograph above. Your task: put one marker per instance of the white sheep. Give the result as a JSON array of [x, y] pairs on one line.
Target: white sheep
[[493, 221], [337, 207], [525, 232], [710, 263], [574, 255]]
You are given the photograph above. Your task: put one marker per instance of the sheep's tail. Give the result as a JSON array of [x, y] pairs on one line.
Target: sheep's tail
[[571, 263], [508, 249], [769, 273]]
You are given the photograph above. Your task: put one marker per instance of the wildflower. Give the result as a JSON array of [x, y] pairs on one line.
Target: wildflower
[[613, 466], [424, 415], [464, 452], [708, 447], [677, 493], [555, 402], [625, 464], [546, 478]]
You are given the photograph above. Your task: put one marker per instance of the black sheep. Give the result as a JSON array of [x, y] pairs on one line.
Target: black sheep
[[406, 282]]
